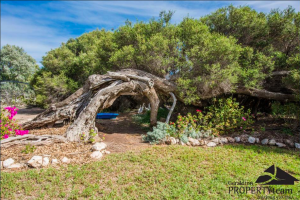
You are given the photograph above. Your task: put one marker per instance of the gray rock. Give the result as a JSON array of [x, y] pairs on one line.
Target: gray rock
[[98, 146], [194, 142], [244, 138], [54, 161], [257, 140], [297, 145], [35, 161], [173, 140], [105, 152], [251, 140], [237, 139], [223, 140], [211, 144], [265, 141], [15, 166], [216, 140], [96, 155], [289, 143], [65, 160], [279, 144], [272, 142], [6, 163], [230, 139]]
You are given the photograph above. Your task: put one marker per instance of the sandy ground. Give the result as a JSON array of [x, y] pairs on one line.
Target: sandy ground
[[120, 135]]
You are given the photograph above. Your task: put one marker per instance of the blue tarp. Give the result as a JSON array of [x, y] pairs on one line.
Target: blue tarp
[[106, 115]]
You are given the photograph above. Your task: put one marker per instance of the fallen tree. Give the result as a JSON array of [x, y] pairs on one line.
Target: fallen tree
[[100, 91]]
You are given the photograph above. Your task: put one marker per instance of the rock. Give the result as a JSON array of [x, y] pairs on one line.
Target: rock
[[96, 155], [45, 161], [237, 139], [211, 144], [106, 152], [297, 145], [265, 141], [6, 163], [205, 142], [181, 143], [194, 142], [244, 138], [257, 140], [98, 146], [65, 160], [177, 141], [173, 140], [188, 143], [251, 140], [289, 143], [230, 139], [272, 142], [15, 166], [216, 140], [202, 142], [223, 140], [279, 144], [54, 161], [35, 161]]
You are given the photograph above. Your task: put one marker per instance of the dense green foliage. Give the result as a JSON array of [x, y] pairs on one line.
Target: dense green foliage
[[205, 57], [16, 69]]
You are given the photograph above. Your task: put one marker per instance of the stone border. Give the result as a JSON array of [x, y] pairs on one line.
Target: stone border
[[98, 150], [224, 140]]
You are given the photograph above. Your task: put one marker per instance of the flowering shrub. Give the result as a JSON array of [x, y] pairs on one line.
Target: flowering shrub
[[8, 125], [223, 116]]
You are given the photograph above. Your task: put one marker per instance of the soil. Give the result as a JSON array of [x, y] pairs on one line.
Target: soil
[[120, 135]]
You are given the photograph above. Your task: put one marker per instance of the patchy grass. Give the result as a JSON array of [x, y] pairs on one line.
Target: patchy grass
[[160, 172], [144, 119]]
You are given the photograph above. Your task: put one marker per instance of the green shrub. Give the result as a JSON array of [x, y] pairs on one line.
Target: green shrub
[[29, 149], [145, 117], [290, 112], [159, 132]]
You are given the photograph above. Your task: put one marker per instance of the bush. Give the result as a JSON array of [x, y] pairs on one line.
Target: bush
[[8, 125], [290, 112], [159, 132]]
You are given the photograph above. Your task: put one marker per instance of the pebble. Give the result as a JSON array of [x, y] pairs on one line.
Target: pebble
[[265, 141], [237, 139], [8, 162], [211, 144], [251, 140], [65, 160], [96, 155], [98, 146], [272, 142]]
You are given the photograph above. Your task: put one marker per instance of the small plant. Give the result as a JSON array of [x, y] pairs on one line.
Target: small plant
[[263, 128], [29, 149], [92, 136], [287, 131], [160, 132]]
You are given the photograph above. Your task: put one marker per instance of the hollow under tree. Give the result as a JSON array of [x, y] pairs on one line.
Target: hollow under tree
[[100, 91]]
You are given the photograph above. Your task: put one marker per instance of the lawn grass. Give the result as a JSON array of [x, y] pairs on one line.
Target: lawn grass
[[160, 172]]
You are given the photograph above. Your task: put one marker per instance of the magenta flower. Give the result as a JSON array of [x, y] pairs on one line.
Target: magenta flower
[[5, 136], [198, 110], [244, 118]]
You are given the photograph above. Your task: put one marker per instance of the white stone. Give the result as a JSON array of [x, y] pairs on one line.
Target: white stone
[[173, 140], [181, 143], [99, 146], [45, 161], [272, 142], [65, 160], [54, 161], [15, 166], [35, 161], [188, 143], [96, 155], [280, 144], [223, 140], [106, 152], [297, 145], [8, 162], [211, 144], [216, 140], [265, 141], [237, 139], [251, 140], [257, 140], [230, 139], [177, 141], [194, 142]]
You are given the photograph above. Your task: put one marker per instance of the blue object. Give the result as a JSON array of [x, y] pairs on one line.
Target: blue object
[[107, 115]]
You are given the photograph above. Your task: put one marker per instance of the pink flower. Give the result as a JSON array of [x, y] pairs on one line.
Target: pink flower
[[198, 110], [244, 118], [241, 127], [5, 136]]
